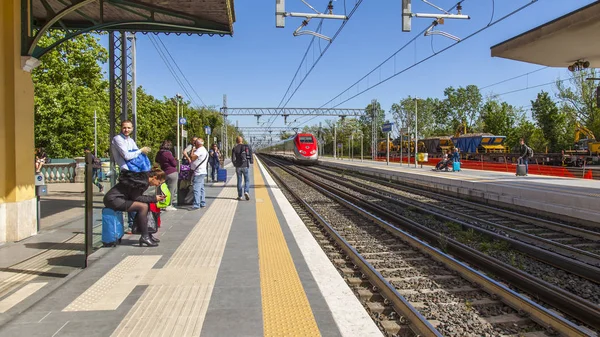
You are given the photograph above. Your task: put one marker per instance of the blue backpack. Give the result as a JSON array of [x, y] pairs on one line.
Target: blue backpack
[[140, 163]]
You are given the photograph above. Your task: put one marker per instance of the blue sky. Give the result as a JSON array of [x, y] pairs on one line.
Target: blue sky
[[256, 65]]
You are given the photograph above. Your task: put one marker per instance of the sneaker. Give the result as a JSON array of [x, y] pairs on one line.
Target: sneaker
[[247, 195], [101, 188], [170, 208], [240, 198], [128, 230]]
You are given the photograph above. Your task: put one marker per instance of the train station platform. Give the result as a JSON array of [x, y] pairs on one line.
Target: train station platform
[[569, 199], [233, 268]]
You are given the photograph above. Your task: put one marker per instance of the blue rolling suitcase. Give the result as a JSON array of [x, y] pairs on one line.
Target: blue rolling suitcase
[[456, 166], [222, 175], [112, 227]]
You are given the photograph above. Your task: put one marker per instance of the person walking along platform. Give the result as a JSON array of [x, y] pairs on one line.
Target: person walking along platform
[[241, 156]]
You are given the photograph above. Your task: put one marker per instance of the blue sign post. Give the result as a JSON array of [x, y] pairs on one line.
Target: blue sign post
[[207, 130], [387, 127], [182, 121]]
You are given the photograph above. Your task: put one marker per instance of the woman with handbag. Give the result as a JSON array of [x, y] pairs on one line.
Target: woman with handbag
[[127, 196]]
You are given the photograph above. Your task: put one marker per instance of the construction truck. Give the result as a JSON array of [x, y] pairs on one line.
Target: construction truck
[[585, 150]]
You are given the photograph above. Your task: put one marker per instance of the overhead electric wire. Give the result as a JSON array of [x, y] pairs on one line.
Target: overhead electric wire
[[513, 78], [358, 3], [533, 87], [422, 60], [182, 73], [172, 70]]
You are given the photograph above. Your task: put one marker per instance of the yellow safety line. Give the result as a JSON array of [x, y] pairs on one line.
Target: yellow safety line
[[286, 311]]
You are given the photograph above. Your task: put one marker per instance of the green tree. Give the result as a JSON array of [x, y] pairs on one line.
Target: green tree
[[69, 87], [403, 114], [461, 105], [551, 121], [578, 97], [498, 118]]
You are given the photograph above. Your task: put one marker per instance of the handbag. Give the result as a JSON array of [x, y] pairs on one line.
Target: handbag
[[153, 220], [140, 163]]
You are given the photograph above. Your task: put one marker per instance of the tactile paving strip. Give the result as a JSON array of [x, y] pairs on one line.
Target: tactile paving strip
[[177, 298], [112, 289], [286, 310]]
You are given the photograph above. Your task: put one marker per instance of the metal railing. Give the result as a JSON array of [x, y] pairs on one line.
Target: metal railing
[[59, 173]]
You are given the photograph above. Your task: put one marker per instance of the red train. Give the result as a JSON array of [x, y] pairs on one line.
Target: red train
[[300, 148]]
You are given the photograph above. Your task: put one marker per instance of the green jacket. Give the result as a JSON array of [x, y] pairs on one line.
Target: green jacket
[[164, 189]]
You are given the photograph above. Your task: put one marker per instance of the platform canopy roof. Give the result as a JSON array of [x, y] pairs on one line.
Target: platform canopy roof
[[146, 16], [558, 43]]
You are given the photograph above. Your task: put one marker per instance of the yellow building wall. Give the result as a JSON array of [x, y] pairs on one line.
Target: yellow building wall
[[17, 192]]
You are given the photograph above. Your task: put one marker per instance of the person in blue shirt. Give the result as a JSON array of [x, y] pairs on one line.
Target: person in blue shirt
[[214, 161], [456, 155]]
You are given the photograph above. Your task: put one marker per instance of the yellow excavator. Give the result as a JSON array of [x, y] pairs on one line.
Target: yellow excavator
[[588, 145]]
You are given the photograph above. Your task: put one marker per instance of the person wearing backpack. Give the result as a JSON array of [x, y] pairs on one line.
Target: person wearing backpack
[[241, 157], [525, 152]]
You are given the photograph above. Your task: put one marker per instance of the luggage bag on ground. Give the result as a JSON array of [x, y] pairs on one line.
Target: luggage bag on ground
[[185, 193], [456, 166], [521, 170], [112, 227], [222, 175]]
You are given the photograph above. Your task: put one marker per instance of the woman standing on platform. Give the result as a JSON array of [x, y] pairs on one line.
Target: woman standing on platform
[[214, 161], [168, 164], [127, 196]]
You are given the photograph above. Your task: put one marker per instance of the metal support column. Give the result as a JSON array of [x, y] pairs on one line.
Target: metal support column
[[123, 39], [112, 98], [132, 74]]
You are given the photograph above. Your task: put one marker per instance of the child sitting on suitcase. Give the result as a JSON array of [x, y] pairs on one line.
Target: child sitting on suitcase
[[127, 196]]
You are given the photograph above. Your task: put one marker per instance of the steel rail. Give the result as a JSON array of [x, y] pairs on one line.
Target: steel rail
[[572, 262], [579, 232], [562, 300], [417, 322]]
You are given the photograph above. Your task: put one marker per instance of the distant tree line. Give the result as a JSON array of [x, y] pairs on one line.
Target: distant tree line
[[70, 86]]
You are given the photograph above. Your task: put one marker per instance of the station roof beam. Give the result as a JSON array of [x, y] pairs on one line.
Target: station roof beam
[[212, 17], [567, 41]]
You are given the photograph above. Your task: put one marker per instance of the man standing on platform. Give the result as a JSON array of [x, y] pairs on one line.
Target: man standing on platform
[[241, 157], [199, 166], [524, 155]]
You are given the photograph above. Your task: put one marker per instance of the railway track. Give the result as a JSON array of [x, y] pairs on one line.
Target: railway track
[[433, 293], [573, 260], [579, 243]]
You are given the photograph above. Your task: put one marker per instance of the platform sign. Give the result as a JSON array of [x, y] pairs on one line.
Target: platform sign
[[339, 145], [207, 130], [403, 131], [387, 127], [184, 133], [182, 121]]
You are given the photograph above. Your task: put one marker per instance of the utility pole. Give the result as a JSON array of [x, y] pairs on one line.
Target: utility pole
[[373, 131], [96, 134], [362, 143], [416, 133], [334, 141], [224, 140], [179, 149]]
